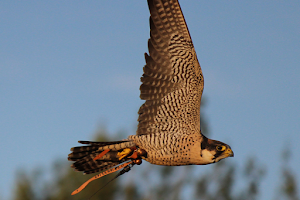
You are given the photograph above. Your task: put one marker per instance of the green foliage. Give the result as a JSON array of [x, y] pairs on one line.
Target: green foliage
[[67, 180], [149, 182], [288, 187], [64, 180], [24, 187], [221, 181]]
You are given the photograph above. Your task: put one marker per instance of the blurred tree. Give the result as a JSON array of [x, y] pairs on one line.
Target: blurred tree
[[288, 187], [217, 184], [23, 187], [253, 173], [221, 181], [65, 180]]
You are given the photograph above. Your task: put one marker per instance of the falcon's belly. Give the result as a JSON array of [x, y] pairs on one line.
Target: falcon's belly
[[171, 149]]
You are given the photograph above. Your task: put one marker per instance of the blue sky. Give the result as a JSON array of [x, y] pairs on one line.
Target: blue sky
[[66, 67]]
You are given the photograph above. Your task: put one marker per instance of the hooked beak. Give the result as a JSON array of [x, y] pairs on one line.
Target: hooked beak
[[229, 153]]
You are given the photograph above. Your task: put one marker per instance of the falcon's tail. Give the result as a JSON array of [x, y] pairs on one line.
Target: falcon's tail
[[99, 156]]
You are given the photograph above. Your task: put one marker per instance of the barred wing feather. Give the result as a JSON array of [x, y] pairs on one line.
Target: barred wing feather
[[172, 82]]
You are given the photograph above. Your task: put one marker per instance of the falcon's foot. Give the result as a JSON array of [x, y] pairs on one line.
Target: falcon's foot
[[124, 153], [134, 153]]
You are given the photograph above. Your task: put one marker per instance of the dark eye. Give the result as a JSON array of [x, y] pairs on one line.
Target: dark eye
[[220, 148]]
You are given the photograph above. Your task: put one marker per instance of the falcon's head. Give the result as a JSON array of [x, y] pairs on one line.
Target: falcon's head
[[213, 151]]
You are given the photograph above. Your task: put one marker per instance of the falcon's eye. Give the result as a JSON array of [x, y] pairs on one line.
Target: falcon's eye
[[221, 148]]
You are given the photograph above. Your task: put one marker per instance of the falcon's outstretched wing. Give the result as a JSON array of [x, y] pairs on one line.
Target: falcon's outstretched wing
[[172, 82]]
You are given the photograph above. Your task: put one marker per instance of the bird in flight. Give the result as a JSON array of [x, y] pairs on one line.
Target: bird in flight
[[168, 131]]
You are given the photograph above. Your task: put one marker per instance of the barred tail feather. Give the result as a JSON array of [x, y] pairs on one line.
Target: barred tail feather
[[101, 144], [84, 155]]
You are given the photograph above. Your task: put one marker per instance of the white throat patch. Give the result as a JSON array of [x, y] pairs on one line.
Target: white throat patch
[[206, 157]]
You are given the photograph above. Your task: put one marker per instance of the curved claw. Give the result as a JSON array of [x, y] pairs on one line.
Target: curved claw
[[124, 153]]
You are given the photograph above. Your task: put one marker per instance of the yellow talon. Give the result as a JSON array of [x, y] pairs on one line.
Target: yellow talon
[[124, 153]]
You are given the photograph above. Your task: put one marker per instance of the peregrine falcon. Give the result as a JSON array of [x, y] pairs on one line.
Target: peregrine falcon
[[169, 131]]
